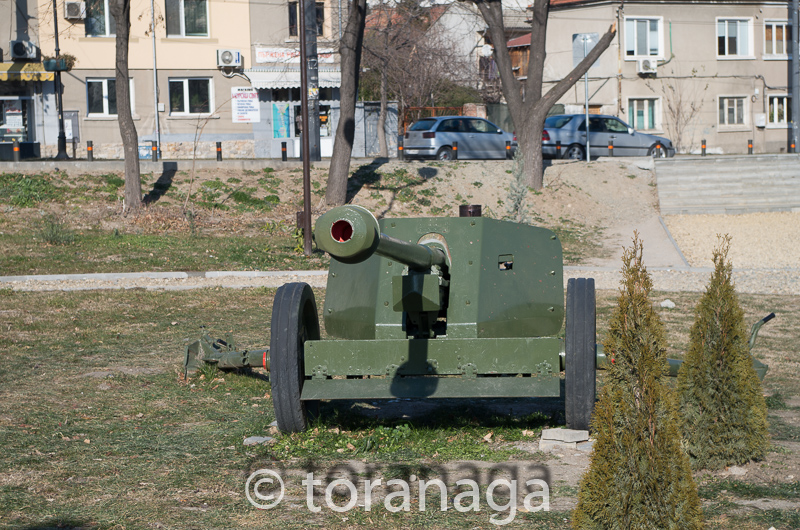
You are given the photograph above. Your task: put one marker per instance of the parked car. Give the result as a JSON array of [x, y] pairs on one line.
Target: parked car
[[476, 137], [570, 130]]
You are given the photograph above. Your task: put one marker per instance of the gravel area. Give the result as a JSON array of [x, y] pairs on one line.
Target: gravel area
[[758, 240]]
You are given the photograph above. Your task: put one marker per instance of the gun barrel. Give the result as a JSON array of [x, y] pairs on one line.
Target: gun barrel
[[351, 234]]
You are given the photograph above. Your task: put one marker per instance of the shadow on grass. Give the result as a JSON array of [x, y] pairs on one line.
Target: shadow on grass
[[163, 184], [59, 523], [356, 415], [366, 174]]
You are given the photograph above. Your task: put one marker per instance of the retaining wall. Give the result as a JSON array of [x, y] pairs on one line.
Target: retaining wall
[[728, 184]]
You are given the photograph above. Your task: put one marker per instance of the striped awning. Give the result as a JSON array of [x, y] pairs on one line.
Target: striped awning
[[24, 72], [288, 77]]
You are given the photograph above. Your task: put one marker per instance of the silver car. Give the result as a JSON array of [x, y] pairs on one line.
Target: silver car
[[475, 138], [570, 130]]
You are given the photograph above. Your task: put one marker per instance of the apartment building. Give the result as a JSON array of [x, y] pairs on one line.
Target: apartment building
[[713, 70]]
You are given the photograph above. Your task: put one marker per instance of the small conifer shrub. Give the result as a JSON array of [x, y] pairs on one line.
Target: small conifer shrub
[[639, 477], [723, 414]]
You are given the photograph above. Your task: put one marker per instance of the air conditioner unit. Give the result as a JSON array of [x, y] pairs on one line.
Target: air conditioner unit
[[23, 49], [646, 66], [74, 10], [229, 58]]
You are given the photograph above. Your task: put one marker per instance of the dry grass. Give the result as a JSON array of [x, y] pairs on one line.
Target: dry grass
[[99, 430]]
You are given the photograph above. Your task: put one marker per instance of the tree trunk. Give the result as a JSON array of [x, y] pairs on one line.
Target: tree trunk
[[121, 11], [382, 118], [528, 114], [350, 51]]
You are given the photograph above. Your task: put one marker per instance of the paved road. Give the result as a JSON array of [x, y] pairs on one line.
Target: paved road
[[762, 281]]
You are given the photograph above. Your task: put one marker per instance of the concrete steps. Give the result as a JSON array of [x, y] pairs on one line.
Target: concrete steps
[[728, 184]]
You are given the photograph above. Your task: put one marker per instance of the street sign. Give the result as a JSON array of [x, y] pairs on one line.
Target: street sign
[[578, 47]]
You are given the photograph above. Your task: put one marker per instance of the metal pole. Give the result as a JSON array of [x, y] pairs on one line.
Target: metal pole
[[90, 151], [794, 80], [703, 147], [304, 134], [155, 77], [62, 137], [586, 95]]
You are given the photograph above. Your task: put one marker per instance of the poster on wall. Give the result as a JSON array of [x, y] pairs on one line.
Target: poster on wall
[[244, 105], [13, 114], [280, 120]]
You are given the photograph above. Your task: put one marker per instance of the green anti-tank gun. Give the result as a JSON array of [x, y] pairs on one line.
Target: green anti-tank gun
[[429, 308]]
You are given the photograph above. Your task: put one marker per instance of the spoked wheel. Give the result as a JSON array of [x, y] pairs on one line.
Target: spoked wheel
[[445, 153], [294, 321], [575, 152], [580, 353]]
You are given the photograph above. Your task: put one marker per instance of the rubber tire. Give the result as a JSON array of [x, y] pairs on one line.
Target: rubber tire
[[580, 353], [294, 321], [660, 153], [573, 150], [445, 153]]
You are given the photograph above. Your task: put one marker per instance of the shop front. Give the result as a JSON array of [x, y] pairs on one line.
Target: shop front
[[20, 84]]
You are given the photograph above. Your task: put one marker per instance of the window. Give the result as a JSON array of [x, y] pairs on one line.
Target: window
[[780, 111], [101, 97], [731, 110], [190, 96], [187, 18], [642, 37], [642, 113], [482, 126], [285, 94], [294, 18], [733, 37], [777, 38], [13, 119], [99, 22]]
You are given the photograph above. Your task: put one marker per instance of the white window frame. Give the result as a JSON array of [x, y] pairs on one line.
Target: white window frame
[[635, 57], [186, 103], [750, 40], [105, 113], [787, 119], [745, 113], [657, 126], [109, 18], [787, 24], [182, 17]]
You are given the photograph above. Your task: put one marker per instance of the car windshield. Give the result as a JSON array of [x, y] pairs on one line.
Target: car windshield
[[556, 122], [422, 125]]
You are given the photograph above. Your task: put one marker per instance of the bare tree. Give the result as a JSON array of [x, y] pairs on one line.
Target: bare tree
[[350, 51], [682, 108], [121, 11], [528, 112], [416, 64]]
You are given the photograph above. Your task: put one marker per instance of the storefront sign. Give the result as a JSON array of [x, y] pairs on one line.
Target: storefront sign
[[290, 55], [245, 107]]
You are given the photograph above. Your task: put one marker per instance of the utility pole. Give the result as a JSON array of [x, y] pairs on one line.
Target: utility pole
[[310, 63], [62, 137], [305, 132], [794, 74]]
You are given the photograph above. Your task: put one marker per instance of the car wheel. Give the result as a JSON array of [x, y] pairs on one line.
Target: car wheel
[[580, 353], [575, 152], [445, 153], [657, 151]]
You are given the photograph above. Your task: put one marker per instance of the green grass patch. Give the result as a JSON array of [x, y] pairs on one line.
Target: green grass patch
[[747, 490], [95, 251]]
